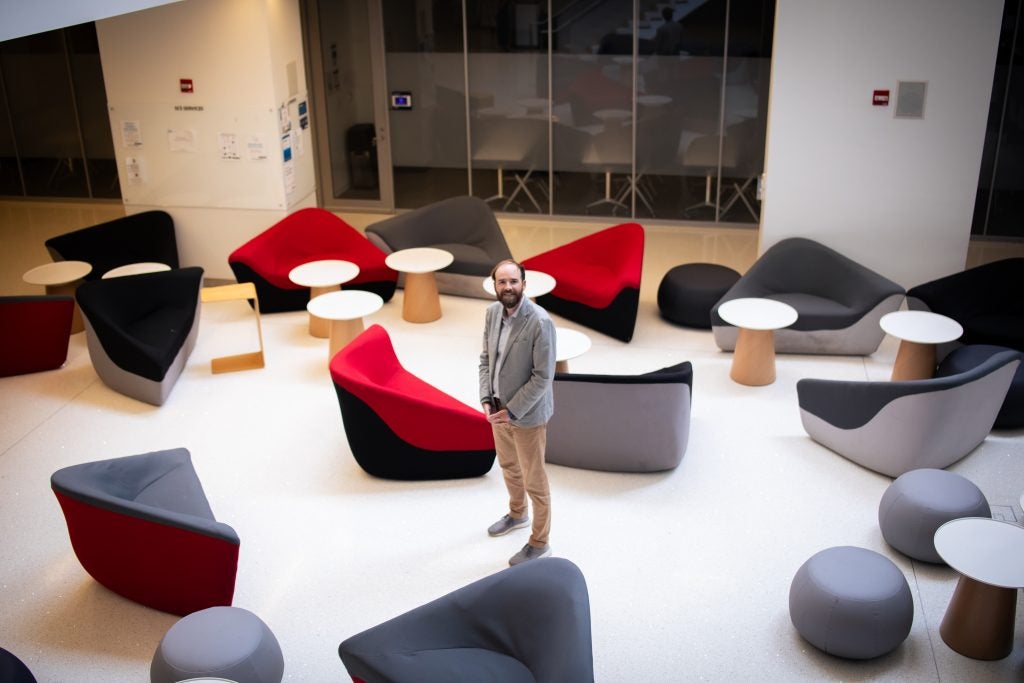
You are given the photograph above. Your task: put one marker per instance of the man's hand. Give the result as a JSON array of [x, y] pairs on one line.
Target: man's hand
[[500, 417]]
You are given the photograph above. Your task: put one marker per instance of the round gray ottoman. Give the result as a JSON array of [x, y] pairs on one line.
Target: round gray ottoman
[[219, 642], [919, 502], [851, 602], [688, 292]]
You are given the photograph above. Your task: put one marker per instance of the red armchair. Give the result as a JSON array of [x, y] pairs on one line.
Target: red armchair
[[37, 330]]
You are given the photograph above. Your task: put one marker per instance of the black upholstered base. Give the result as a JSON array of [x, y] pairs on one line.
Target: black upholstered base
[[273, 299], [616, 320], [381, 453]]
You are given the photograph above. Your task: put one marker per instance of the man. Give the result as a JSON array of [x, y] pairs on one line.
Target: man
[[517, 366], [669, 35]]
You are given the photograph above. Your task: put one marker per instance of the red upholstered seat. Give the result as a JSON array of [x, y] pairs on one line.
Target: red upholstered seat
[[401, 427], [597, 279], [307, 235], [36, 331]]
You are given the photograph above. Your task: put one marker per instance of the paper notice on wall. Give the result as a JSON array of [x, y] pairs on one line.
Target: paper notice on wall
[[256, 148], [131, 134], [133, 170], [289, 177], [228, 145], [181, 140]]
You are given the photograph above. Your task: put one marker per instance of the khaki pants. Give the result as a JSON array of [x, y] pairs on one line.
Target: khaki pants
[[521, 456]]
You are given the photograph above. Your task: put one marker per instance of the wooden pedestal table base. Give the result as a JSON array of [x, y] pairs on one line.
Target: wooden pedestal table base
[[322, 277], [918, 332], [61, 278], [242, 361], [753, 361], [421, 302], [345, 311]]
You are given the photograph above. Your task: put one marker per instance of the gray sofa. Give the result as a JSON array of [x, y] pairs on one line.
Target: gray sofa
[[895, 427], [839, 301], [464, 226], [621, 423]]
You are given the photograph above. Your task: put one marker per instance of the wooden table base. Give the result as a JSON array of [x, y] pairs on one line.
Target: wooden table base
[[68, 289], [342, 332], [753, 361], [421, 302], [914, 361], [320, 327], [979, 620]]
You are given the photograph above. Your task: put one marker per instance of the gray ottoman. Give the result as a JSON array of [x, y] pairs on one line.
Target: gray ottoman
[[919, 502], [851, 602], [219, 642], [688, 292]]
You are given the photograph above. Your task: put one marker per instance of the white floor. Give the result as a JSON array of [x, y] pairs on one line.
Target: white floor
[[688, 571]]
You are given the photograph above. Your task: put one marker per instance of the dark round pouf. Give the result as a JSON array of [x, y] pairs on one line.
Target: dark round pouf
[[851, 602], [918, 502], [1011, 415], [218, 642], [688, 292]]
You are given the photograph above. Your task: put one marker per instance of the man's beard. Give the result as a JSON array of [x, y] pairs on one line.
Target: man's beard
[[510, 299]]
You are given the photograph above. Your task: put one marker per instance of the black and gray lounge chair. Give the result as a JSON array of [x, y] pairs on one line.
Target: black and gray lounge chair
[[140, 329], [530, 622], [839, 301], [141, 237], [621, 423], [463, 226], [895, 427]]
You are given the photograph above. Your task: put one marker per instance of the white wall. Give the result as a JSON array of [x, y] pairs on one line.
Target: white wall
[[25, 17], [894, 194], [246, 62]]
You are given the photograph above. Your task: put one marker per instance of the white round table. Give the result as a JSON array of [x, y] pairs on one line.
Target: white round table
[[421, 302], [345, 311], [918, 332], [537, 284], [989, 554], [135, 269], [321, 277], [568, 345], [61, 278], [753, 361]]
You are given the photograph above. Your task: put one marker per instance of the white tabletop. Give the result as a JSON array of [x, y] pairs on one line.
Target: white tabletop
[[57, 273], [419, 260], [325, 273], [613, 114], [653, 100], [136, 269], [570, 343], [922, 327], [757, 314], [537, 284], [345, 305], [987, 550]]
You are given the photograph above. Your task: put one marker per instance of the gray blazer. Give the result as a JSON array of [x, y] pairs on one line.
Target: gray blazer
[[529, 365]]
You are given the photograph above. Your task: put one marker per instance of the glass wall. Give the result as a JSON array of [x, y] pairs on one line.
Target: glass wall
[[55, 139]]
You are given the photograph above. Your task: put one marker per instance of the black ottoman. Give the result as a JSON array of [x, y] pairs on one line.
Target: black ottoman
[[688, 292], [1011, 415]]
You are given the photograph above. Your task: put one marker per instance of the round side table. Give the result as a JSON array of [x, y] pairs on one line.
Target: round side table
[[61, 277], [135, 269], [989, 554], [918, 332], [344, 310], [753, 361], [321, 277], [568, 345], [421, 302]]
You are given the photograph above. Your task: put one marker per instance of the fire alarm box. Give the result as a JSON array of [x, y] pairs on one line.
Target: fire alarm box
[[186, 85], [880, 98]]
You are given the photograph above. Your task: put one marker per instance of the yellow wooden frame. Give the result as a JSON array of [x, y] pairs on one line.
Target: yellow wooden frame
[[242, 361]]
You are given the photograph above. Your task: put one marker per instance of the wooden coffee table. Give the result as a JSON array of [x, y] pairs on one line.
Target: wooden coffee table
[[918, 332], [568, 345], [326, 275], [753, 361], [421, 302], [63, 278], [345, 311], [135, 269]]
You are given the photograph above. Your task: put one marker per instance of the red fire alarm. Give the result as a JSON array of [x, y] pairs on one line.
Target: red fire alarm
[[880, 98], [186, 85]]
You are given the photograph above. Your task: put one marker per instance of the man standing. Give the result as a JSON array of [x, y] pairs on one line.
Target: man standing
[[517, 366]]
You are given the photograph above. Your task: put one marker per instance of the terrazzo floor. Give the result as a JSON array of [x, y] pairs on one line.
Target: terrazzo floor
[[688, 570]]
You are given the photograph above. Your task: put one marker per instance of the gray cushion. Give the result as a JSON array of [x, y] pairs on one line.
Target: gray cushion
[[226, 642], [895, 427], [529, 622], [838, 300], [919, 502], [851, 602], [621, 423]]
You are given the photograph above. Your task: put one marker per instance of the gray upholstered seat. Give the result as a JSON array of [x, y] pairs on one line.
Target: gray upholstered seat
[[464, 226], [621, 423], [851, 602], [530, 623], [839, 301], [895, 427]]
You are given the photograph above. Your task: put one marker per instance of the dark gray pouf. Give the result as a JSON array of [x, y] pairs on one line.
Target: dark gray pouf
[[219, 642], [919, 502], [688, 292], [851, 602]]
